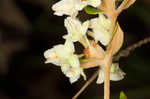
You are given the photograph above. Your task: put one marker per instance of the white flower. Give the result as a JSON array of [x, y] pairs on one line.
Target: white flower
[[63, 55], [76, 29], [116, 74], [101, 27], [71, 7]]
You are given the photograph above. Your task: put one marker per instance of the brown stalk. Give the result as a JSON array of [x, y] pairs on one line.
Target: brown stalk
[[124, 5], [126, 52], [107, 77]]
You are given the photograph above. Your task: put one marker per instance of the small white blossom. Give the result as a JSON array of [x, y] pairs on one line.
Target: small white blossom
[[67, 7], [60, 54], [63, 55], [116, 74], [76, 29], [101, 27], [71, 7]]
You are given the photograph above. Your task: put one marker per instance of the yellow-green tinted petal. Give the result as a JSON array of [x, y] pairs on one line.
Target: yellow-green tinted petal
[[94, 3]]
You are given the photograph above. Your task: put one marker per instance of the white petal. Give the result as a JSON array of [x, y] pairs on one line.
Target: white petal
[[66, 7], [74, 79], [75, 29], [73, 74], [79, 4], [103, 36], [83, 74], [117, 76], [116, 73], [85, 26], [74, 61], [94, 3], [49, 53], [54, 61], [65, 68], [101, 27], [104, 21], [70, 46], [100, 79], [50, 56], [61, 51]]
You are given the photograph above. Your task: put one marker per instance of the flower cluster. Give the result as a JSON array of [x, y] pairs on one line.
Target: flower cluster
[[63, 55]]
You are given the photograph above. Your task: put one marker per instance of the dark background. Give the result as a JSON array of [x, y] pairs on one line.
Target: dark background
[[28, 28]]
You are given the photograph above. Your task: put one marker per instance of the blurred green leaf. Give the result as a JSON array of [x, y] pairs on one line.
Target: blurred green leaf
[[91, 10], [122, 95]]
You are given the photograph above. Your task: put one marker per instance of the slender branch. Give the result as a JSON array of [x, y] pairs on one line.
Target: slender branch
[[126, 52], [124, 5], [123, 53], [121, 7], [86, 84]]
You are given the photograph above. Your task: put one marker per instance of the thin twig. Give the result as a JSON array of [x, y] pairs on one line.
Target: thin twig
[[123, 53], [86, 84], [126, 52], [121, 7]]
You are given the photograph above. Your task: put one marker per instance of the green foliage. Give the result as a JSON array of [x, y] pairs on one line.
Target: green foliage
[[83, 60], [91, 10], [122, 95]]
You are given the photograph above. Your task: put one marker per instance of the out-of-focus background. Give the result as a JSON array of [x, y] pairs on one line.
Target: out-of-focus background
[[28, 28]]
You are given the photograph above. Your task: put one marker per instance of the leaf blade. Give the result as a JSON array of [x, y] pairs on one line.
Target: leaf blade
[[122, 95], [91, 10]]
